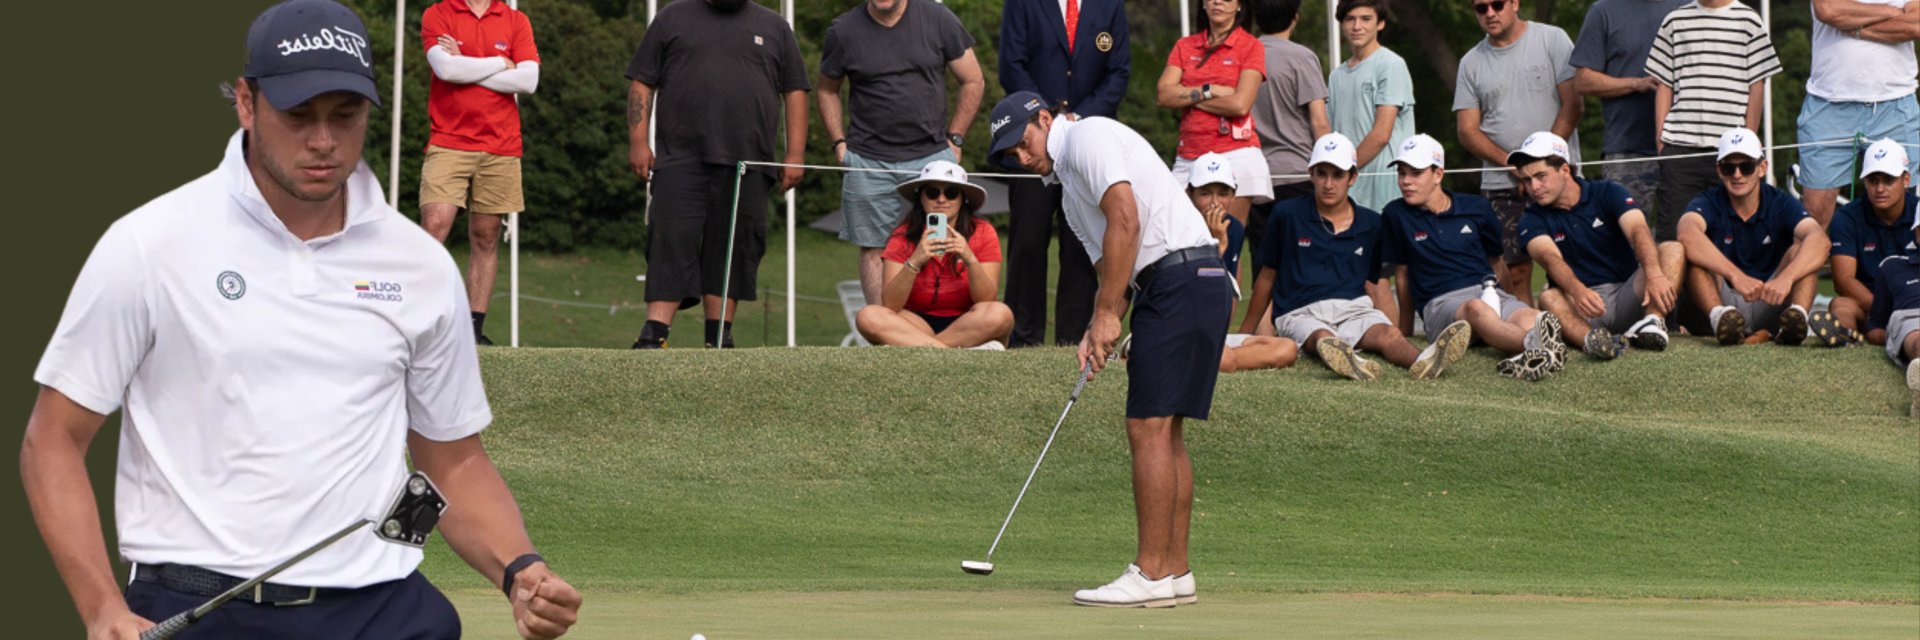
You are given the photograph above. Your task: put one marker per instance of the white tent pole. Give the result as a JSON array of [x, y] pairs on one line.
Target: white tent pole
[[1186, 18], [513, 257], [1766, 91], [793, 197], [1333, 34], [399, 60]]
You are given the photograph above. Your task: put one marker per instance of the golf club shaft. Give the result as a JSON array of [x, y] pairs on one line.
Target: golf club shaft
[[1086, 373], [174, 625]]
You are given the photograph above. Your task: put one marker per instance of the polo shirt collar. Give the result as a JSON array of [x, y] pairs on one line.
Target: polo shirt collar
[[1453, 208], [366, 203], [1056, 147], [460, 6], [1327, 225]]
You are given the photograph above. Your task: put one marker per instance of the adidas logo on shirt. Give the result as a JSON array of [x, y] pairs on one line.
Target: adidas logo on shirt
[[1466, 229], [1596, 223], [1360, 251], [1767, 240]]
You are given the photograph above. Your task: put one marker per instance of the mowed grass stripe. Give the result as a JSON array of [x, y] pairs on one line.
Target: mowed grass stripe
[[1692, 474]]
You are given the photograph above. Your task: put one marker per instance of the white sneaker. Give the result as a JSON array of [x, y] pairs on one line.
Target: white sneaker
[[990, 345], [1445, 350], [1183, 590], [1650, 334], [1131, 589]]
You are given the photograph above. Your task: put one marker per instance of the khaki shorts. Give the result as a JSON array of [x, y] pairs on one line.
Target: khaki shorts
[[1348, 320], [477, 181]]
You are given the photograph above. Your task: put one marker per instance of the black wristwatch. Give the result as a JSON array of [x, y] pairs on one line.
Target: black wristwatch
[[513, 569], [1206, 91], [956, 139]]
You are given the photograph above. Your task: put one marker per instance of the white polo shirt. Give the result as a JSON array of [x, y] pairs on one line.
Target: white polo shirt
[[1092, 155], [268, 384]]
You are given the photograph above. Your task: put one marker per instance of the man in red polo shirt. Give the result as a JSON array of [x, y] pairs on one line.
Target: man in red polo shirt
[[482, 54]]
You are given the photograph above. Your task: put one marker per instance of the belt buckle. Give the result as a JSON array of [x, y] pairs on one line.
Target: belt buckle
[[313, 593]]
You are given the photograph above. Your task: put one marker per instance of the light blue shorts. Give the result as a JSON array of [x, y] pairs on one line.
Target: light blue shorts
[[870, 207], [1832, 166]]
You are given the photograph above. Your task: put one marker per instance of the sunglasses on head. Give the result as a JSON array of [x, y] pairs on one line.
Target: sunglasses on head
[[931, 192], [1745, 168], [1496, 6]]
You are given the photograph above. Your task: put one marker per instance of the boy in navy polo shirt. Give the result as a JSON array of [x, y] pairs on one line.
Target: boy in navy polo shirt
[[1865, 232], [1211, 186], [1320, 265], [1594, 242], [1752, 250], [1894, 320], [1447, 250]]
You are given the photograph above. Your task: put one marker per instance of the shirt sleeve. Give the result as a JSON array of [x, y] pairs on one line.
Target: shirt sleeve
[[1396, 85], [1531, 226], [1101, 164], [524, 50], [985, 241], [1590, 50], [793, 66], [445, 397], [1256, 57], [650, 56], [433, 24], [1272, 244], [1615, 201], [1762, 63], [1394, 250], [1660, 58], [1560, 55], [1310, 83], [833, 56], [1375, 265], [107, 328], [1787, 218], [1846, 239], [1464, 96], [1490, 233], [954, 39], [898, 248]]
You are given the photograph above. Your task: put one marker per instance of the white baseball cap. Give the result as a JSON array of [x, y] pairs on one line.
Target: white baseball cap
[[1211, 168], [1740, 140], [1886, 157], [1539, 146], [1420, 152], [1333, 149]]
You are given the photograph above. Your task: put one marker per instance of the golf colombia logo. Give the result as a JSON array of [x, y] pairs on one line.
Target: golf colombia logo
[[376, 290], [230, 285]]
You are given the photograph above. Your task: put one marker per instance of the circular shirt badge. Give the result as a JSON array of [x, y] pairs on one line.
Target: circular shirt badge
[[231, 285], [1104, 42]]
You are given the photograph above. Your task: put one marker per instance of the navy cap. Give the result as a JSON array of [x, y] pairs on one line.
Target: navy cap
[[299, 49], [1008, 124]]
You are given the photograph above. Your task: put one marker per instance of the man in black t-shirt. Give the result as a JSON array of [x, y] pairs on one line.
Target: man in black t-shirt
[[720, 72], [890, 53]]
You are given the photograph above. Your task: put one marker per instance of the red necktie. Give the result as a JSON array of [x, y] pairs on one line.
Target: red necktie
[[1073, 21]]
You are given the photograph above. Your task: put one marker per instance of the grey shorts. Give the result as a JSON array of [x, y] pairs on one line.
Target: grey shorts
[[868, 203], [1443, 309], [1903, 322], [1759, 315], [1345, 319], [1623, 304]]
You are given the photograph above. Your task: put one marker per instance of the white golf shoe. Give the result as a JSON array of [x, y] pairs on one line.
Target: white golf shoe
[[1183, 589], [1131, 589]]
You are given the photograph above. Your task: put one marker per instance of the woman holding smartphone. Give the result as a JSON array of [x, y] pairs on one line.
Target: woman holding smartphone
[[941, 270]]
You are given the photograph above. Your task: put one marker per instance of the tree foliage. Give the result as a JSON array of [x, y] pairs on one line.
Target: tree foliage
[[580, 191]]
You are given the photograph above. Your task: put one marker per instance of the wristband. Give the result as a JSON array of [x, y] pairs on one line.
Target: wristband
[[513, 569], [837, 143]]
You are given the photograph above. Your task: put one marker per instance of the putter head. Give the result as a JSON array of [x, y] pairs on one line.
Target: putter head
[[414, 512], [976, 567]]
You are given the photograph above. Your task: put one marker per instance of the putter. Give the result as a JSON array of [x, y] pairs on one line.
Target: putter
[[985, 567], [409, 521]]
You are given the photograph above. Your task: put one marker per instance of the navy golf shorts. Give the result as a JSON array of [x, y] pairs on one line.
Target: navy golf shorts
[[1179, 328], [406, 609]]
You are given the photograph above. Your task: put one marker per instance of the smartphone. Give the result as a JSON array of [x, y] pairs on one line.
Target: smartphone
[[937, 228]]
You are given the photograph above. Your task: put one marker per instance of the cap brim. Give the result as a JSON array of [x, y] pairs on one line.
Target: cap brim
[[1330, 163], [1410, 164], [1885, 170], [976, 195], [290, 90], [1517, 158]]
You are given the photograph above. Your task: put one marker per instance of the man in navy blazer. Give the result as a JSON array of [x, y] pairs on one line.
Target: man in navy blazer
[[1087, 71]]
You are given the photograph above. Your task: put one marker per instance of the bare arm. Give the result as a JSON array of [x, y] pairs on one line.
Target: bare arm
[[826, 94], [1262, 296], [1381, 134], [1238, 102], [1701, 252], [1659, 294], [1119, 246], [460, 69], [53, 470], [983, 280], [1571, 108], [1848, 15], [1756, 97], [639, 149], [1600, 85], [523, 78], [796, 104], [973, 86], [899, 284], [1317, 114], [1476, 141], [1900, 29], [1846, 280], [1810, 251], [1169, 93], [1404, 319]]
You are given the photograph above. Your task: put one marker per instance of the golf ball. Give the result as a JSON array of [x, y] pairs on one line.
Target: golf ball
[[698, 637]]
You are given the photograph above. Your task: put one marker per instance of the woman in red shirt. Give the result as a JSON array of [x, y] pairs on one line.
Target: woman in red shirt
[[1212, 78], [940, 292]]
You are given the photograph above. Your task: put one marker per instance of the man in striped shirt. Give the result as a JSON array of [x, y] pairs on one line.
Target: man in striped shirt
[[1710, 58]]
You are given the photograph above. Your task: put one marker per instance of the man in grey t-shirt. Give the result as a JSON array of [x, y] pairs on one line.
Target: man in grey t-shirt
[[892, 53], [1610, 63], [1515, 82], [1291, 110]]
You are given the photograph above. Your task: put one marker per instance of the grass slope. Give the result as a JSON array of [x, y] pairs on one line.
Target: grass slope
[[1752, 473]]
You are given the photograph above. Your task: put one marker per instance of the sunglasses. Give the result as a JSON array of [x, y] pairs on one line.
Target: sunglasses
[[934, 193], [1496, 6], [1743, 168]]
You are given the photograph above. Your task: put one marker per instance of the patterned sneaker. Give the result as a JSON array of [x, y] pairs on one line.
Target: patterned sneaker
[[1649, 333], [1530, 365], [1602, 344], [1729, 325], [1826, 330], [1183, 589], [1131, 589], [1548, 334], [1793, 327], [1446, 349], [1339, 356]]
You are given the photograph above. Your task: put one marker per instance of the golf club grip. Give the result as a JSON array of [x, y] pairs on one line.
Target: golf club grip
[[170, 628]]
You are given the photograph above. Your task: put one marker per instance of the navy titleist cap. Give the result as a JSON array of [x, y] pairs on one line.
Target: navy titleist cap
[[299, 49], [1009, 124]]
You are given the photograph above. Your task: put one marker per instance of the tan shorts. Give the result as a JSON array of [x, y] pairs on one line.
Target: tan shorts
[[477, 181]]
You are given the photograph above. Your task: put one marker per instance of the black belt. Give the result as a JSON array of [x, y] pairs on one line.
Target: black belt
[[1177, 258], [204, 583]]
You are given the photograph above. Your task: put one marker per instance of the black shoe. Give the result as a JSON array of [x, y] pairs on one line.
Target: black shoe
[[648, 342], [726, 342], [1793, 327], [481, 339]]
